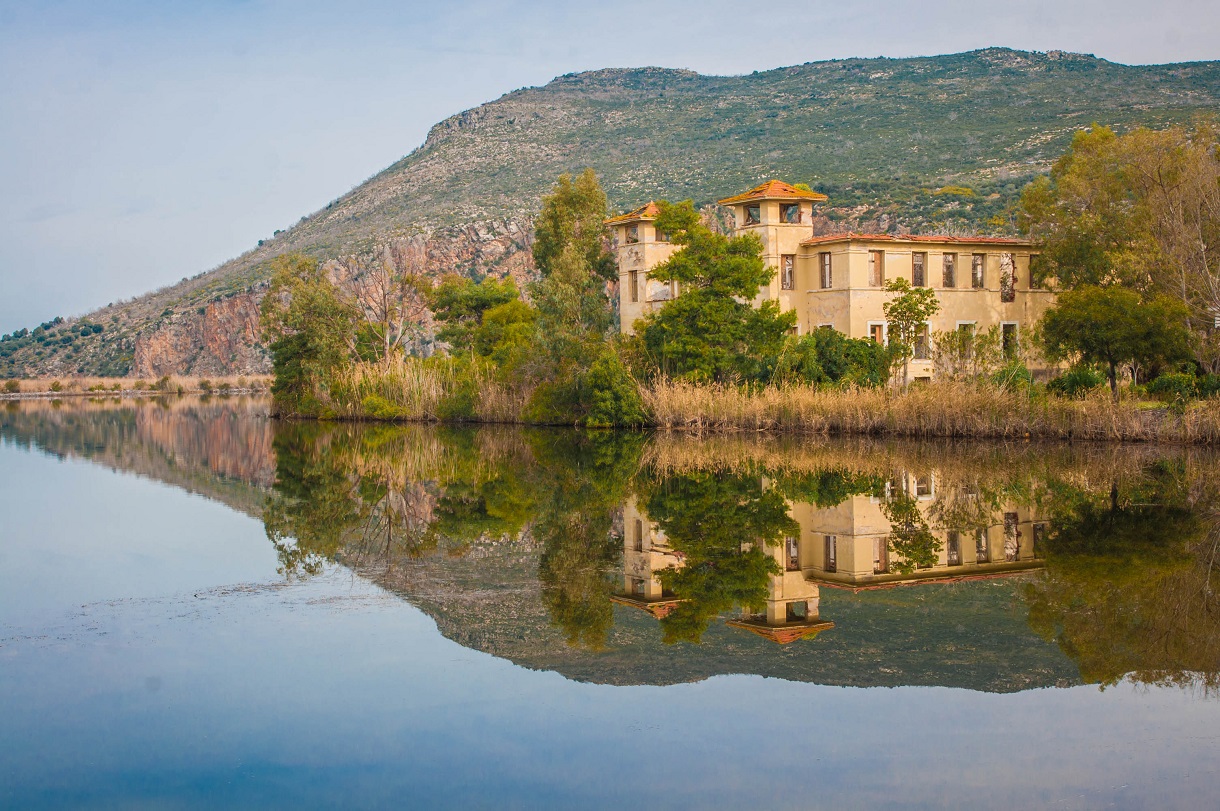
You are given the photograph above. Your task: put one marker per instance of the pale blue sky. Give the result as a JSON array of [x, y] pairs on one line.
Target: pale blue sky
[[141, 142]]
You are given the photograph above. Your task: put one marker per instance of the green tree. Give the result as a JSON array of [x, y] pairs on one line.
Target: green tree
[[1114, 326], [907, 314], [573, 216], [311, 328], [459, 303], [710, 332], [828, 356]]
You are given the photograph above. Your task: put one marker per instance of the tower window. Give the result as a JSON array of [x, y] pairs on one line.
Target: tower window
[[876, 268], [824, 262], [789, 212], [787, 271], [753, 215]]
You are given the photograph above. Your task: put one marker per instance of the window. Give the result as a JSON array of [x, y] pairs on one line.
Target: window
[[1012, 538], [753, 215], [792, 549], [1008, 277], [633, 281], [876, 331], [797, 611], [954, 546], [876, 268], [787, 271], [949, 270], [824, 264], [923, 343], [923, 486], [1039, 538], [881, 555], [639, 535], [982, 550], [633, 234], [1036, 279], [831, 563], [965, 331], [918, 262], [637, 586], [977, 264], [661, 236], [789, 212], [1009, 339]]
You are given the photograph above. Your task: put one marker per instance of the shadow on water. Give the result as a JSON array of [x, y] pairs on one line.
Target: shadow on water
[[630, 558]]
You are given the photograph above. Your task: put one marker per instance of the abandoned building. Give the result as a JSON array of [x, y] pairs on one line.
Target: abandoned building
[[838, 280]]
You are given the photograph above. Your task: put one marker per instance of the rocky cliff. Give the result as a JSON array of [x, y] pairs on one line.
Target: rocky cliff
[[924, 144]]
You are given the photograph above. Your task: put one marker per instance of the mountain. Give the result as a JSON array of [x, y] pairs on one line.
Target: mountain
[[941, 143]]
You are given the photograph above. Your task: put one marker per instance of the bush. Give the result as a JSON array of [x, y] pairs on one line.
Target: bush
[[614, 396], [1173, 386], [379, 408], [56, 386], [140, 385], [1208, 385], [460, 402], [828, 356], [163, 384], [205, 386], [1076, 382], [12, 386], [1014, 376]]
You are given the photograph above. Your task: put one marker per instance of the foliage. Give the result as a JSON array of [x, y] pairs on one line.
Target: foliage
[[907, 315], [1174, 386], [614, 394], [458, 303], [574, 215], [966, 354], [710, 332], [1140, 210], [311, 327], [910, 537], [12, 386], [1112, 326], [721, 523], [1076, 381], [828, 356]]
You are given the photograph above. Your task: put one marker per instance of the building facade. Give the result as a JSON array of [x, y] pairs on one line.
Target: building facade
[[838, 280]]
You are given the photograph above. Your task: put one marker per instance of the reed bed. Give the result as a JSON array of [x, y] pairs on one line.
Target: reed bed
[[942, 409], [408, 390]]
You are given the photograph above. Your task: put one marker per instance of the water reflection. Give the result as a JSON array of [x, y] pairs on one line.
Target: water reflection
[[626, 558]]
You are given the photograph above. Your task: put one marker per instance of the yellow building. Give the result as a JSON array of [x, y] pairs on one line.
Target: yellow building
[[838, 280]]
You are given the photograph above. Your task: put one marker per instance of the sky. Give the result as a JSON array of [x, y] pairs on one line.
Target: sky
[[143, 142]]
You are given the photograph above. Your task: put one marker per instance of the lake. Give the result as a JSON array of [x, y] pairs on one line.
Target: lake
[[202, 607]]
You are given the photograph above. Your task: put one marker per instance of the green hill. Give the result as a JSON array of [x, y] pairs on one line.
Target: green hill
[[939, 143]]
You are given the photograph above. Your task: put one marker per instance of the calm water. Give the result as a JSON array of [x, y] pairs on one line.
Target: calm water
[[200, 608]]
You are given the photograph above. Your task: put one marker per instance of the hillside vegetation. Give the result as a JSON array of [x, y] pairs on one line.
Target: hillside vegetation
[[939, 143]]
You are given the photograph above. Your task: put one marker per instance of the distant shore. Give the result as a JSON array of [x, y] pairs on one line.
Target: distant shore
[[59, 388]]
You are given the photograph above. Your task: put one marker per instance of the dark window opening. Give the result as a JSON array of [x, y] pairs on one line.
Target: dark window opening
[[978, 264], [827, 280], [831, 561], [1009, 340], [982, 550], [787, 272], [633, 234], [1008, 278], [753, 215], [954, 546], [876, 268], [797, 611], [949, 271], [918, 262], [790, 212], [792, 551], [633, 281]]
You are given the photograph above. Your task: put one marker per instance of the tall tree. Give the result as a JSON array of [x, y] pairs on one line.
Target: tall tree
[[710, 331], [1113, 326], [311, 328], [907, 315], [573, 218]]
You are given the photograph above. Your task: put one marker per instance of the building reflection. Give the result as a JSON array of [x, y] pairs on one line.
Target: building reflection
[[851, 546]]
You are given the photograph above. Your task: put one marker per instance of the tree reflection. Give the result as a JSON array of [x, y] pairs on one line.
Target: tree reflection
[[720, 524], [1128, 585]]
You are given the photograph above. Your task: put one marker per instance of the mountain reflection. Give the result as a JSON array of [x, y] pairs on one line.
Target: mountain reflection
[[633, 558]]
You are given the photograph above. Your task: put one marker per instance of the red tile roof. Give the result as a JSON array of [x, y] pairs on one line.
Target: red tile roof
[[648, 211], [774, 190], [827, 239]]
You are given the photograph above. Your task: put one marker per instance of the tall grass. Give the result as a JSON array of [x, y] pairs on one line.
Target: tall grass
[[940, 409], [413, 390]]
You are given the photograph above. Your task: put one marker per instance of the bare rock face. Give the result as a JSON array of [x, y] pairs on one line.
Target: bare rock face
[[222, 337], [222, 340]]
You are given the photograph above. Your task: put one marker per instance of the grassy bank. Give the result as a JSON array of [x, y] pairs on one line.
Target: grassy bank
[[412, 391], [131, 386]]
